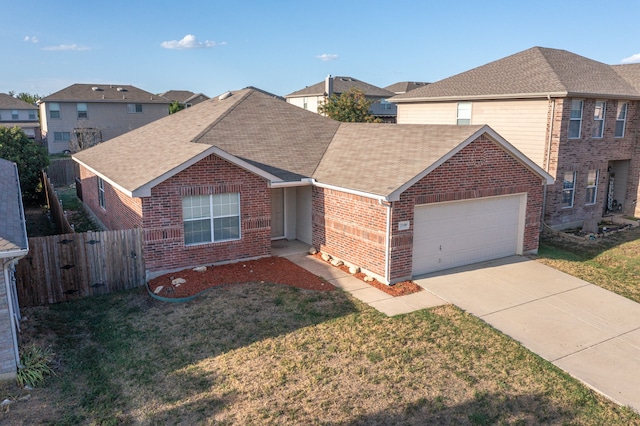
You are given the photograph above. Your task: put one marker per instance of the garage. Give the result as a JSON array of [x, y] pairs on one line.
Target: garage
[[451, 234]]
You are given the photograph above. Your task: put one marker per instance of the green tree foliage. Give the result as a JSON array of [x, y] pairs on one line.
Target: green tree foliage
[[29, 156], [175, 107], [351, 106], [28, 98]]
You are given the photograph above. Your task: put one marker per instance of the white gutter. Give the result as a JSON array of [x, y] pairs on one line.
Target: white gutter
[[282, 184], [380, 198], [387, 243]]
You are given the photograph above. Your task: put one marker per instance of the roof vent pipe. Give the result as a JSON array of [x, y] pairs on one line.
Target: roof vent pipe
[[224, 96], [328, 85]]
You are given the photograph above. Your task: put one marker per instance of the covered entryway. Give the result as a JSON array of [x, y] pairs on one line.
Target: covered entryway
[[459, 233]]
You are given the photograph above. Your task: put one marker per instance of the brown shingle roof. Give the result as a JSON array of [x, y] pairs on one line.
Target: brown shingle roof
[[405, 86], [13, 236], [533, 72], [630, 72], [105, 93], [341, 85], [9, 102]]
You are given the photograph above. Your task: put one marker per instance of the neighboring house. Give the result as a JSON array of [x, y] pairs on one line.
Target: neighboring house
[[184, 97], [16, 112], [405, 86], [13, 246], [577, 118], [311, 97], [219, 181], [96, 113]]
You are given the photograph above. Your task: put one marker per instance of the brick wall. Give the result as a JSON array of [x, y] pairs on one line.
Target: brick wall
[[164, 240], [588, 153], [353, 228]]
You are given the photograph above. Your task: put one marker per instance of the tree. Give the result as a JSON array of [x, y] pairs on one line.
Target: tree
[[28, 98], [84, 137], [351, 106], [29, 156], [175, 107]]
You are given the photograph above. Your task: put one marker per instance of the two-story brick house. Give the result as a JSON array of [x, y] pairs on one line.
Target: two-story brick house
[[16, 112], [84, 114], [575, 117]]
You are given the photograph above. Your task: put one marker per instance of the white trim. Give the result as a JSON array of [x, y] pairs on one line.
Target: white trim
[[387, 246], [508, 96], [380, 198], [283, 184]]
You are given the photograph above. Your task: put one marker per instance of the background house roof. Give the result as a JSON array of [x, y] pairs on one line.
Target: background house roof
[[105, 93], [9, 102], [13, 236], [340, 85], [537, 71], [405, 86], [182, 96]]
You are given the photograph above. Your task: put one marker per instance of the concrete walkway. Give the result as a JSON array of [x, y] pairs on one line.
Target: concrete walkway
[[591, 333]]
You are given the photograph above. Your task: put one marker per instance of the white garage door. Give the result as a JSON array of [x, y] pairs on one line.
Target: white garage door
[[459, 233]]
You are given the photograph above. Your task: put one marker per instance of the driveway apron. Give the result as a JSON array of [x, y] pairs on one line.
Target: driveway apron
[[591, 333]]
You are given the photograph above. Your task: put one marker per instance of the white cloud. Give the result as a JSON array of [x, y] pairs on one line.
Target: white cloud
[[631, 59], [327, 57], [189, 42], [32, 39], [60, 47]]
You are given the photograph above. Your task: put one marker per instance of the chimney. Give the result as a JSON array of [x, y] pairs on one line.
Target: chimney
[[328, 86]]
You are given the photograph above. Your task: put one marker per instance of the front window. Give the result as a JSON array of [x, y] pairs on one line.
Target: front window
[[592, 186], [134, 108], [61, 136], [211, 218], [14, 114], [598, 119], [101, 192], [464, 113], [568, 189], [54, 110], [621, 119], [82, 110], [575, 122], [32, 114]]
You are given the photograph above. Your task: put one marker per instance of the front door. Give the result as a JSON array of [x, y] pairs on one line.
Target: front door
[[277, 213]]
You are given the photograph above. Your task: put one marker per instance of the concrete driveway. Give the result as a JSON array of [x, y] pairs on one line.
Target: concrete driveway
[[591, 333]]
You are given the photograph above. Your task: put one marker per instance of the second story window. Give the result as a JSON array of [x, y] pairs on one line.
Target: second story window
[[464, 113], [598, 119], [14, 114], [621, 119], [134, 108], [32, 114], [54, 110], [82, 110], [304, 103], [575, 122]]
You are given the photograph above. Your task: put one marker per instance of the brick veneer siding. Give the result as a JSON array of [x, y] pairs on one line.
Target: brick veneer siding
[[8, 361], [353, 228], [162, 217], [350, 227], [589, 153], [120, 212]]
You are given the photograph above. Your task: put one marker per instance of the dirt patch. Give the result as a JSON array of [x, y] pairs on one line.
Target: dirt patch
[[39, 222], [398, 289], [275, 270]]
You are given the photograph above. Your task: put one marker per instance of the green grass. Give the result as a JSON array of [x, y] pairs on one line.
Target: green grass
[[77, 216], [270, 354]]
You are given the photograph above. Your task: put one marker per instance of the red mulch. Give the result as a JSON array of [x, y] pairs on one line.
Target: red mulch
[[276, 270], [398, 289]]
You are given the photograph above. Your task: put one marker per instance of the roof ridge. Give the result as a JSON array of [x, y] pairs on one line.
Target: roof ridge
[[541, 51], [326, 148], [221, 117]]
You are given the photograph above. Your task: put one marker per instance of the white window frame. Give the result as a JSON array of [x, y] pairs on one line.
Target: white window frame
[[81, 108], [599, 113], [211, 210], [573, 119], [54, 110], [101, 201], [15, 114], [568, 187], [621, 117], [133, 108], [463, 113], [592, 186], [60, 137]]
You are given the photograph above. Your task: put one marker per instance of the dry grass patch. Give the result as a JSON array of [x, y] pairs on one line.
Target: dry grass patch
[[269, 354]]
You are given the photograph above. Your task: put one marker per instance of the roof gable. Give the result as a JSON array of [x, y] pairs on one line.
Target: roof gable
[[534, 72], [104, 93], [9, 102]]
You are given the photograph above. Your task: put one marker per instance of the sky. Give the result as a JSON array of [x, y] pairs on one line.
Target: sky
[[212, 46]]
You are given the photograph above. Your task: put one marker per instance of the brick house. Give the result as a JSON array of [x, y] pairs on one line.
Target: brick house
[[221, 180], [96, 112], [13, 246], [577, 118]]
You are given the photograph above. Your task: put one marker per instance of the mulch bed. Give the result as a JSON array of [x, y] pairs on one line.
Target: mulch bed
[[275, 270]]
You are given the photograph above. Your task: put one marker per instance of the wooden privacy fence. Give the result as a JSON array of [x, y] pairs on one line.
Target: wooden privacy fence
[[63, 171], [55, 206], [71, 266]]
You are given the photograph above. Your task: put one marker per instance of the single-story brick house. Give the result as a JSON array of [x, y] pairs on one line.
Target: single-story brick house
[[219, 181], [13, 246]]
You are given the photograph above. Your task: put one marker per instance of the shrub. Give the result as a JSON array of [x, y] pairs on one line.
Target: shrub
[[35, 365]]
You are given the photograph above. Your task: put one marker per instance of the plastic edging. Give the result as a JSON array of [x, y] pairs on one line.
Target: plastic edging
[[175, 299]]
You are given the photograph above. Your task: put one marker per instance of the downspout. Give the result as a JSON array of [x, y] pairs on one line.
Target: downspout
[[12, 315], [548, 159], [387, 244]]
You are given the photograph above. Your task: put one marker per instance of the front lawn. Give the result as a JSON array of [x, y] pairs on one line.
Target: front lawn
[[272, 354]]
